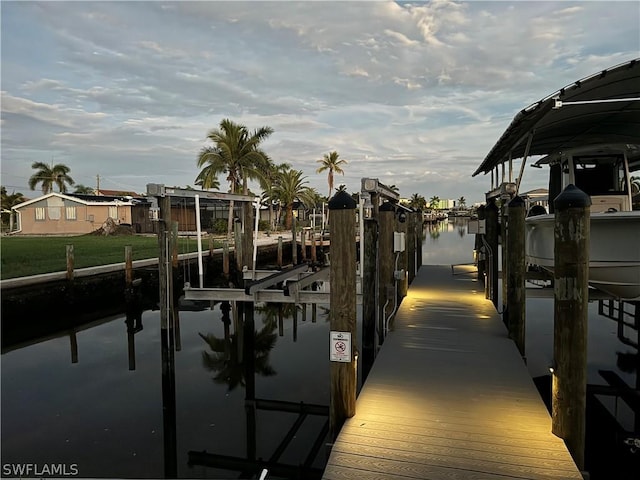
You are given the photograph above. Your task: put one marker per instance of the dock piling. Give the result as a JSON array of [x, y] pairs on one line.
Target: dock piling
[[514, 314], [370, 300], [342, 311], [571, 272]]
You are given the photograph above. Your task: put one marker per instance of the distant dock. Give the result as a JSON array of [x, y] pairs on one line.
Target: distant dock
[[449, 396]]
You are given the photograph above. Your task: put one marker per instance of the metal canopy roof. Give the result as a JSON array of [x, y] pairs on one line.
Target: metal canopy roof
[[613, 119]]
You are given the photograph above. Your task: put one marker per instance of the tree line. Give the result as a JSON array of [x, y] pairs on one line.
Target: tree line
[[236, 153]]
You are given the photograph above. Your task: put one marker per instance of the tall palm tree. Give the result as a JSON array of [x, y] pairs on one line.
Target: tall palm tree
[[292, 186], [235, 151], [333, 164], [49, 176], [434, 202], [462, 202], [417, 201]]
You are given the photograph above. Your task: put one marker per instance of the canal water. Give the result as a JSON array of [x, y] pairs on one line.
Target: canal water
[[98, 402]]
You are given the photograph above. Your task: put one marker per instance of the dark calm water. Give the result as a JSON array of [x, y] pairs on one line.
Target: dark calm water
[[109, 414]]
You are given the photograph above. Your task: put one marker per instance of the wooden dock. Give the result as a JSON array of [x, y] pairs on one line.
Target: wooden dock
[[449, 396]]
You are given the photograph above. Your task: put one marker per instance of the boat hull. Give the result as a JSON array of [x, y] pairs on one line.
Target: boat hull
[[614, 250]]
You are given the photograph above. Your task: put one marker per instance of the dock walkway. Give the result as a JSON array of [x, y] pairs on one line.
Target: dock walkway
[[449, 396]]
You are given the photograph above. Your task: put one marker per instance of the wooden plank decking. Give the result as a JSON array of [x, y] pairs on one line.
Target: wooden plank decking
[[449, 396]]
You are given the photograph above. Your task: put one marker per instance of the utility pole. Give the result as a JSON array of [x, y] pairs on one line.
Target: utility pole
[[98, 184]]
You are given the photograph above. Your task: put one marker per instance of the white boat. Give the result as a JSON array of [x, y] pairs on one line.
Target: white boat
[[589, 134], [614, 249]]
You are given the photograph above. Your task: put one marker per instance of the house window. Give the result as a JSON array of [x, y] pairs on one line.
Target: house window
[[70, 213], [40, 214], [113, 212]]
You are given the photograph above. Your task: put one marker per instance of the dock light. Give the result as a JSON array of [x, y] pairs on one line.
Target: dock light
[[552, 369]]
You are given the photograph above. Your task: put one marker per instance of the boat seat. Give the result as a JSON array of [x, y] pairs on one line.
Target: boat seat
[[602, 203]]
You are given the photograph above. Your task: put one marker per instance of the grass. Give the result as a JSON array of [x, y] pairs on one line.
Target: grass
[[23, 256]]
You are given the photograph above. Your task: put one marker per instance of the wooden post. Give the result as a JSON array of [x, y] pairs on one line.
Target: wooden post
[[237, 238], [314, 253], [403, 262], [280, 251], [419, 230], [411, 247], [492, 226], [342, 311], [303, 243], [294, 242], [70, 262], [128, 262], [225, 259], [570, 292], [74, 346], [370, 299], [386, 258], [516, 298], [247, 238], [168, 373], [479, 245], [504, 245]]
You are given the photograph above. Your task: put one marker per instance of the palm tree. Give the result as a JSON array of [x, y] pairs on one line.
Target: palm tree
[[417, 201], [83, 190], [434, 202], [207, 179], [9, 201], [462, 202], [227, 363], [234, 152], [268, 178], [332, 163], [292, 186], [49, 176]]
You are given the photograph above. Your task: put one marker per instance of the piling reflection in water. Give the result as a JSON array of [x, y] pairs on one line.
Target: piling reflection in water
[[90, 408]]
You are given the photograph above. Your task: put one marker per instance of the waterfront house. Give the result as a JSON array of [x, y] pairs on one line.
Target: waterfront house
[[74, 214]]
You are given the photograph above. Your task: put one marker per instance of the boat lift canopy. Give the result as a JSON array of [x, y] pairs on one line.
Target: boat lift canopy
[[601, 109]]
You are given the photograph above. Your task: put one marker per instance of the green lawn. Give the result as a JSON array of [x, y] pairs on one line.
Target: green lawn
[[23, 256]]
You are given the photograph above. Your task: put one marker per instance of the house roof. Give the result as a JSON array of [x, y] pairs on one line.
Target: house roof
[[88, 200], [116, 193], [612, 118]]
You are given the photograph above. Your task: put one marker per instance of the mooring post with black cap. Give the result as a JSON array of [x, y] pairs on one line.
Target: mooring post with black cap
[[492, 227], [343, 353], [571, 273], [515, 312]]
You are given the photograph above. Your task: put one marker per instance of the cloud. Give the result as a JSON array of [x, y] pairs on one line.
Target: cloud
[[407, 92]]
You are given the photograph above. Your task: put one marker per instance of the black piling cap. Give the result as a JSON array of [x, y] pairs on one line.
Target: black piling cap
[[571, 197], [342, 201], [387, 207], [516, 202]]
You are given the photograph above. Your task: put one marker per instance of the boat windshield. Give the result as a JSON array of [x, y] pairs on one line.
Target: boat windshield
[[600, 174]]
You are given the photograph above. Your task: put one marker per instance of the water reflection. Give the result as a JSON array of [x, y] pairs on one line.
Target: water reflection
[[115, 412], [225, 356]]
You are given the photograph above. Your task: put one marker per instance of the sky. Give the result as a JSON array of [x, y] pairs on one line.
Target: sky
[[412, 93]]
